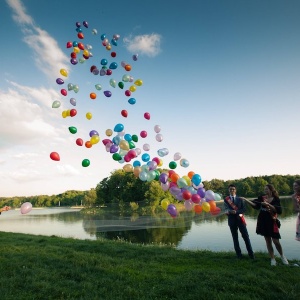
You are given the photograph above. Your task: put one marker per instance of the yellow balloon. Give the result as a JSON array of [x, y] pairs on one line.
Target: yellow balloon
[[138, 82], [124, 145], [164, 203], [64, 72], [187, 179], [108, 47], [132, 88], [128, 168], [160, 162], [68, 113], [95, 139], [108, 132], [64, 114], [206, 206], [89, 115], [76, 50], [86, 53]]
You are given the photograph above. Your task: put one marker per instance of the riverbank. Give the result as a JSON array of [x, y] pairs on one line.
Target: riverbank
[[39, 267]]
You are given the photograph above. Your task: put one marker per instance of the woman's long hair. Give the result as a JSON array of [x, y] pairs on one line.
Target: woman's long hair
[[274, 193]]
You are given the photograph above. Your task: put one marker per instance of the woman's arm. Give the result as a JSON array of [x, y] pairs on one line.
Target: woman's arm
[[296, 202], [253, 204]]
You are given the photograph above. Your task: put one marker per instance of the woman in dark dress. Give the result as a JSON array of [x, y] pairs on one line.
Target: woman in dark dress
[[267, 226]]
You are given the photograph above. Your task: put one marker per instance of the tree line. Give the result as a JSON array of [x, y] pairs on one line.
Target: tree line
[[124, 187]]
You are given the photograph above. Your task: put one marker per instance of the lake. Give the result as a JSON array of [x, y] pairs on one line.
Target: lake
[[187, 231]]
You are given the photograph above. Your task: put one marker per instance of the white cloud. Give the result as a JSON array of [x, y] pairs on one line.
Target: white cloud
[[20, 16], [67, 170], [46, 49], [148, 44], [22, 120]]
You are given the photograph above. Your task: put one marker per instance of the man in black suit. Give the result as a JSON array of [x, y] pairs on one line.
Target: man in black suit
[[235, 207]]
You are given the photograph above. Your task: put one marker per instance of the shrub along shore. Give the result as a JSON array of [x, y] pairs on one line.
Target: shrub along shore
[[40, 267]]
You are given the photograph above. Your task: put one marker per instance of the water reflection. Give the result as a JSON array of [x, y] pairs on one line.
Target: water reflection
[[187, 231]]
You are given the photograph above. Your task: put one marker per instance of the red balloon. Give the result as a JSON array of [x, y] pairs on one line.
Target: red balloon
[[216, 211], [147, 115], [113, 54], [69, 44], [73, 55], [127, 93], [64, 92], [79, 142], [54, 156], [80, 35], [124, 113], [73, 112], [80, 46]]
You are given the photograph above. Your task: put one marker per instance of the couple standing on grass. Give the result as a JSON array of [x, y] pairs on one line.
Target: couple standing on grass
[[267, 223]]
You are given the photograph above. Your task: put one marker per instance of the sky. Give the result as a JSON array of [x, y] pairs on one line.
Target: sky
[[219, 78]]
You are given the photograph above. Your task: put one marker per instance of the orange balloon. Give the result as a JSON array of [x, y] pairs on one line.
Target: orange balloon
[[93, 96], [174, 177], [191, 174], [88, 144], [127, 68], [212, 205], [198, 209]]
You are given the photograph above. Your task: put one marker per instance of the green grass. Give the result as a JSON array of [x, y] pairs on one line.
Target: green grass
[[39, 267]]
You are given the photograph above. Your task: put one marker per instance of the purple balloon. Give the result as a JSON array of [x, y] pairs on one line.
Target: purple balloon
[[78, 24], [172, 210], [163, 178], [85, 24], [135, 57], [201, 192], [93, 132], [107, 93], [59, 81], [74, 61], [102, 72], [114, 148]]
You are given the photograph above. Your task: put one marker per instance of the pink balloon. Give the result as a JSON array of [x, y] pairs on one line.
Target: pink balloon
[[143, 134], [147, 116], [26, 208]]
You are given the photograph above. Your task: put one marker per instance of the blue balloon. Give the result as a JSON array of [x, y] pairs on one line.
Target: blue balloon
[[103, 36], [113, 65], [136, 163], [128, 137], [116, 140], [103, 62], [145, 157], [119, 127], [131, 101], [196, 179], [114, 42]]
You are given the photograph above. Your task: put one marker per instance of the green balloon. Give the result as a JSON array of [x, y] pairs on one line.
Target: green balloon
[[85, 163], [98, 87], [116, 156], [172, 165], [56, 104], [121, 85], [131, 144], [135, 138], [73, 129]]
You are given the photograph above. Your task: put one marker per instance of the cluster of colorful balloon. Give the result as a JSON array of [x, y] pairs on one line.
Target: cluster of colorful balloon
[[120, 144]]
